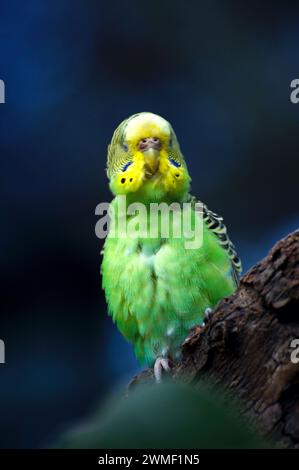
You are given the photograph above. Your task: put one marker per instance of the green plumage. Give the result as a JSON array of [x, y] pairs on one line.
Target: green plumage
[[157, 290]]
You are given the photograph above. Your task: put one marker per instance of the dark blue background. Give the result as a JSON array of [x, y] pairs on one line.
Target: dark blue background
[[220, 71]]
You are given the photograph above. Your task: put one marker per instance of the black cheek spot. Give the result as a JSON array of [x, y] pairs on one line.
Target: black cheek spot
[[123, 180], [131, 179]]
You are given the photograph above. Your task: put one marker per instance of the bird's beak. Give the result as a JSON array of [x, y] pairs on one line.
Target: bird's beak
[[150, 147]]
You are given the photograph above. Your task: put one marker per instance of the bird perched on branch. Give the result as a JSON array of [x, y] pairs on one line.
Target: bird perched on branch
[[157, 288]]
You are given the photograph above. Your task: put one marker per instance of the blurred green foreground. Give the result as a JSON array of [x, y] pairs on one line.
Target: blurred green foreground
[[167, 416]]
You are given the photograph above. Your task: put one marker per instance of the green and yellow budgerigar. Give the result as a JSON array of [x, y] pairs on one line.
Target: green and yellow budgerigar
[[156, 288]]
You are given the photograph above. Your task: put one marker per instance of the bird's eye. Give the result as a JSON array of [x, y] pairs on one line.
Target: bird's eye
[[125, 147], [174, 163], [125, 167], [170, 142]]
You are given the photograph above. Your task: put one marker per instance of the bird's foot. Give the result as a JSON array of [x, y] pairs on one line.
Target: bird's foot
[[207, 315], [161, 364]]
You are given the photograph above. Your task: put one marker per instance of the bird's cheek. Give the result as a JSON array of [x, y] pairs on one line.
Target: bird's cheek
[[176, 180], [127, 181]]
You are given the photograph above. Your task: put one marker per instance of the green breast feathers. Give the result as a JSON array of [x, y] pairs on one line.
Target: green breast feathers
[[157, 289]]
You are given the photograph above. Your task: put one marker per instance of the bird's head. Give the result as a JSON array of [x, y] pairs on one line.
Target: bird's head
[[145, 160]]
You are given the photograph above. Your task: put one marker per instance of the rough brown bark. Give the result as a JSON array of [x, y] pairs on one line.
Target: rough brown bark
[[246, 345]]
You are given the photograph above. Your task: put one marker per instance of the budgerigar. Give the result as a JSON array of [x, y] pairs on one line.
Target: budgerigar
[[156, 288]]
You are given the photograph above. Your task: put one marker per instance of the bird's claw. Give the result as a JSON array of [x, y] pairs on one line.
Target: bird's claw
[[207, 314], [161, 363]]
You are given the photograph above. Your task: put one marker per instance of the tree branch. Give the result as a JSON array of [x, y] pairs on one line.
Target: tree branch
[[246, 345]]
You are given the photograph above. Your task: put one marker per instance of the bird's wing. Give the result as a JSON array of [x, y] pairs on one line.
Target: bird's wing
[[215, 223]]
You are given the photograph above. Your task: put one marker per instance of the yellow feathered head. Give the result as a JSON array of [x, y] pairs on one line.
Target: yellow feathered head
[[145, 160]]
